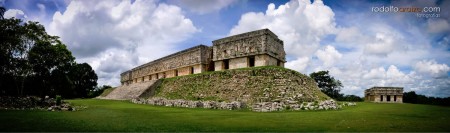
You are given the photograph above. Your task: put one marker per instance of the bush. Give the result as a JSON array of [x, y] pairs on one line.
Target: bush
[[58, 100], [351, 98]]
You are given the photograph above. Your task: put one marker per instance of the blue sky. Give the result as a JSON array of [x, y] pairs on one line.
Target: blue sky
[[358, 45]]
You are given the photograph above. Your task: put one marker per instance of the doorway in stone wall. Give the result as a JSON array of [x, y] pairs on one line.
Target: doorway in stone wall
[[395, 98], [381, 98], [251, 61], [176, 72], [226, 64], [191, 70], [388, 98]]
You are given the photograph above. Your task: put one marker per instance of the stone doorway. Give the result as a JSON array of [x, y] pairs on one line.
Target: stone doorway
[[251, 61], [226, 64]]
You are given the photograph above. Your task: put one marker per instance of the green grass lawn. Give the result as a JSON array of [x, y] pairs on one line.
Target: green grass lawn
[[107, 115]]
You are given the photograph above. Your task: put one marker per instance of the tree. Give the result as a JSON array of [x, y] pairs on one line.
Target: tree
[[84, 79], [35, 63], [2, 12], [11, 34], [327, 84], [351, 98], [17, 40], [410, 97]]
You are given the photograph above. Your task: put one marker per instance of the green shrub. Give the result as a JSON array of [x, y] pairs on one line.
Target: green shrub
[[58, 100]]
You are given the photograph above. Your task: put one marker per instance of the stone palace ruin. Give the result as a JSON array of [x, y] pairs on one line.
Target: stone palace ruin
[[256, 48], [262, 89], [384, 94]]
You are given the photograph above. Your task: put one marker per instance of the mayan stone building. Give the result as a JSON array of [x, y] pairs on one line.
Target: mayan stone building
[[189, 61], [256, 48], [384, 94]]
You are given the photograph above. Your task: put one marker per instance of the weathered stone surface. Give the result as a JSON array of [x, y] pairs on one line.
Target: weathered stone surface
[[190, 104], [137, 90], [198, 57], [261, 89], [247, 44], [256, 48]]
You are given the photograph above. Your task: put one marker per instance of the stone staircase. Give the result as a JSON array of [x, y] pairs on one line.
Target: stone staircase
[[136, 90]]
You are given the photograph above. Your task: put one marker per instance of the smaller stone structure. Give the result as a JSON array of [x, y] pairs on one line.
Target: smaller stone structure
[[384, 94]]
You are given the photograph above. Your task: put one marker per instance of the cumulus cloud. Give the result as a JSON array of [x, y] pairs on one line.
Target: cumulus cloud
[[300, 24], [329, 55], [348, 35], [369, 52], [114, 36], [15, 13], [299, 64], [376, 73], [383, 45], [437, 25], [204, 6], [432, 68]]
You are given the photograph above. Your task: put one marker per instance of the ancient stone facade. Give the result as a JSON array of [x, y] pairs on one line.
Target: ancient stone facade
[[256, 48], [189, 61], [384, 94]]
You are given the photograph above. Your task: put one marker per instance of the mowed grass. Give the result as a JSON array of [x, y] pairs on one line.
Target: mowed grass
[[109, 115]]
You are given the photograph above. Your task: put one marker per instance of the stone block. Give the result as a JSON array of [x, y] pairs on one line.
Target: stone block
[[241, 62], [218, 65]]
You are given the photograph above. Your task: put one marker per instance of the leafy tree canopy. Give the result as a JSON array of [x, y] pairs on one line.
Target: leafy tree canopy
[[35, 63]]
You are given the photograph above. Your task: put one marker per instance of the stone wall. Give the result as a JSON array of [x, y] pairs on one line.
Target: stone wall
[[265, 60], [192, 60], [240, 62], [248, 44]]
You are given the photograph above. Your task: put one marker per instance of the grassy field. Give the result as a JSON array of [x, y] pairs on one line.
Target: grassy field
[[106, 115]]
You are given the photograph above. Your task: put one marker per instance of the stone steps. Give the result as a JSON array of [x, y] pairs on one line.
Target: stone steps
[[136, 90]]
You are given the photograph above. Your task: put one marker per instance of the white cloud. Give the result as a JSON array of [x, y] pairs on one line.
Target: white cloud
[[382, 46], [348, 35], [204, 6], [437, 25], [300, 24], [376, 73], [369, 52], [432, 68], [114, 36], [15, 13], [329, 55], [298, 64]]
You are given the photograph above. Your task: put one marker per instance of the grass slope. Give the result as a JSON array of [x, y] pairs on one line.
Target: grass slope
[[108, 115]]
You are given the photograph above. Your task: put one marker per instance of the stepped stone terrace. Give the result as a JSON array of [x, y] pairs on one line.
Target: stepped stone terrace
[[255, 48]]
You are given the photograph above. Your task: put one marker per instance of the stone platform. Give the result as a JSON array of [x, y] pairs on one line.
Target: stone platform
[[132, 91]]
